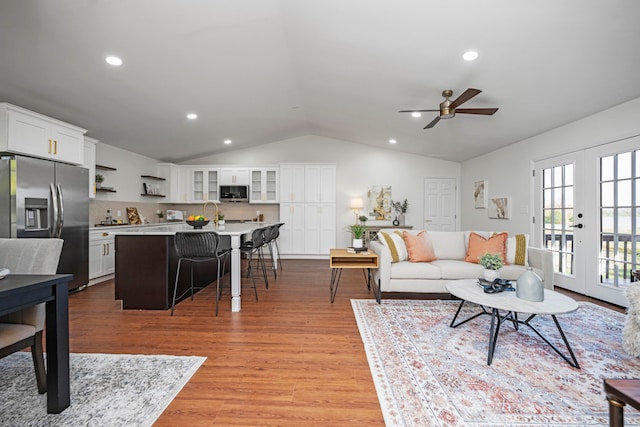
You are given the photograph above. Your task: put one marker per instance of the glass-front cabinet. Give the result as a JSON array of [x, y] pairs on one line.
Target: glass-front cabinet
[[264, 185], [204, 185]]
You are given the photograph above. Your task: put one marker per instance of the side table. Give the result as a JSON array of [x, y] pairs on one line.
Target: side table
[[340, 258], [620, 392]]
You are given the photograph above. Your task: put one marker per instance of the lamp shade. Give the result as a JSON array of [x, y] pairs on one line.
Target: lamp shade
[[356, 203]]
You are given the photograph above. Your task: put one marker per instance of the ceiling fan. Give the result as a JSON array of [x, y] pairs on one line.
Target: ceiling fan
[[448, 108]]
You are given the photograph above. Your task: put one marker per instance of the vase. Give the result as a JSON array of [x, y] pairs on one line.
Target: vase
[[530, 286], [491, 275], [357, 243], [401, 220]]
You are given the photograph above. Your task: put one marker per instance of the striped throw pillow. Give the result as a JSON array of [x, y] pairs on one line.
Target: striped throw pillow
[[395, 243], [517, 249]]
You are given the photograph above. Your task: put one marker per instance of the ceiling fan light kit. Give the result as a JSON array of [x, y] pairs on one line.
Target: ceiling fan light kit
[[448, 108]]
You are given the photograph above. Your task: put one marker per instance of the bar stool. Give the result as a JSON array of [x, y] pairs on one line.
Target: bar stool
[[197, 247], [254, 247]]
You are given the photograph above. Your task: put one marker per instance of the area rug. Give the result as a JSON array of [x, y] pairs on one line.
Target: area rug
[[429, 374], [106, 389]]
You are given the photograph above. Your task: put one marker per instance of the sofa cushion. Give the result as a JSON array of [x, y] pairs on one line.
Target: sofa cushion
[[479, 246], [457, 269], [517, 249], [448, 244], [419, 247], [394, 241], [415, 270]]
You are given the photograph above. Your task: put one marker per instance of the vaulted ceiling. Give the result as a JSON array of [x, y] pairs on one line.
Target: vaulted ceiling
[[258, 71]]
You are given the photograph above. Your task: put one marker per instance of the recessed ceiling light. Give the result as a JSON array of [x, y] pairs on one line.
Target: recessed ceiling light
[[416, 114], [113, 60], [192, 116], [227, 141], [392, 141], [470, 55]]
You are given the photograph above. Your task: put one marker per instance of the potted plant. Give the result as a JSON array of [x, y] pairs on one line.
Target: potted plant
[[99, 180], [160, 215], [492, 264], [358, 232], [221, 219], [401, 209], [363, 219]]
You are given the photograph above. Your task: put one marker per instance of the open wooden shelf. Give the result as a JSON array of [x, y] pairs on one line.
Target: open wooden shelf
[[105, 168], [105, 190], [153, 177], [153, 195]]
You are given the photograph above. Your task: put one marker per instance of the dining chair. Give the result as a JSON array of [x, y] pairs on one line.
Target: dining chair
[[23, 328], [198, 247]]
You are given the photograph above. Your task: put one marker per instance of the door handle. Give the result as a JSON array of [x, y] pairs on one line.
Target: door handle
[[578, 226]]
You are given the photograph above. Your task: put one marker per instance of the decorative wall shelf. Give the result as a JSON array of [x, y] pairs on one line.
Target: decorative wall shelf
[[153, 177], [153, 195], [105, 190], [105, 168]]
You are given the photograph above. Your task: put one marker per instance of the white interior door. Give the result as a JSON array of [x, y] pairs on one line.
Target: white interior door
[[561, 222], [440, 204]]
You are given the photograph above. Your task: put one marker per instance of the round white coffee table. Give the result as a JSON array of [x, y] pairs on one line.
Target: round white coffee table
[[554, 303]]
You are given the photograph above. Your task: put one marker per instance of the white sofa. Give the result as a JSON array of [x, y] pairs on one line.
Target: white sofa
[[450, 248]]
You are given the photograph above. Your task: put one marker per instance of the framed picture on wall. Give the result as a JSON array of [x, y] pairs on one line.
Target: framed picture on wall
[[480, 194], [500, 208]]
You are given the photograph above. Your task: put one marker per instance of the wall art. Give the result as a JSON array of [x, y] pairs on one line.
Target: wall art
[[480, 194], [499, 207], [379, 202]]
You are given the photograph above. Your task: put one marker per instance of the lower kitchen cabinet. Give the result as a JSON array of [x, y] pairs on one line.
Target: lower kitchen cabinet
[[102, 256]]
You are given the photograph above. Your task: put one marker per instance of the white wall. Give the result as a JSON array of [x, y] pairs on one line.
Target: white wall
[[508, 170], [358, 168], [126, 179]]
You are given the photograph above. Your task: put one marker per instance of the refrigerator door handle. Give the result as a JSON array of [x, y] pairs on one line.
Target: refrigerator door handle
[[53, 229], [61, 207]]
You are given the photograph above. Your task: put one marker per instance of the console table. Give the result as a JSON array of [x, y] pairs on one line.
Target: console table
[[370, 231]]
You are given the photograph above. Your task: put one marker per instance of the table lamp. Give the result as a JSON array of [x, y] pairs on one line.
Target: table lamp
[[355, 205]]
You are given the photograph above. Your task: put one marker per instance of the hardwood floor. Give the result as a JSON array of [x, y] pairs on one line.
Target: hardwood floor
[[292, 358]]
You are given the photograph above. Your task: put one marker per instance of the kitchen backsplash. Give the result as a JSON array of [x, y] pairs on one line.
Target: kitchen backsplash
[[244, 211]]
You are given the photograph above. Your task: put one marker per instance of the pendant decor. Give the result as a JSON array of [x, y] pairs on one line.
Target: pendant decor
[[530, 287]]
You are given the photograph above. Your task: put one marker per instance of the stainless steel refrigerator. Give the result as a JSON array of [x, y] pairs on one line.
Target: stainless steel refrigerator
[[46, 199]]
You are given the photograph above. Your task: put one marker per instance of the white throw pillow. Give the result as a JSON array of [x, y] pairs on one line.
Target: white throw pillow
[[394, 241], [448, 244], [518, 254]]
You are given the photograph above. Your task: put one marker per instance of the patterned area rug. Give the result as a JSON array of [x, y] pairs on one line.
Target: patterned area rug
[[106, 389], [428, 374]]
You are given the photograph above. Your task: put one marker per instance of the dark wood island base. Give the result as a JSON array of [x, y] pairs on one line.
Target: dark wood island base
[[146, 270]]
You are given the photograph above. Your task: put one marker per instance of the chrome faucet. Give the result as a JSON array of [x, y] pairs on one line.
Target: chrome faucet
[[204, 207]]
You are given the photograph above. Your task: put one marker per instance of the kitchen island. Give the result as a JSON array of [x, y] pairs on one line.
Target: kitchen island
[[146, 263]]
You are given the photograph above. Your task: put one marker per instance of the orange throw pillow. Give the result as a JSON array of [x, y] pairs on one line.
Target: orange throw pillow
[[478, 246], [419, 247]]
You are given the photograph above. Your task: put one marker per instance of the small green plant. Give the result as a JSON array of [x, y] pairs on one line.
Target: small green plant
[[363, 218], [357, 230], [220, 217], [491, 261], [401, 208], [99, 178]]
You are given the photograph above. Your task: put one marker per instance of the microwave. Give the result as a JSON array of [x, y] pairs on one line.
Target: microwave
[[234, 193]]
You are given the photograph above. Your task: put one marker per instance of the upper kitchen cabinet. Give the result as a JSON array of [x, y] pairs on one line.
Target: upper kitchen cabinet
[[234, 176], [320, 183], [292, 183], [90, 163], [178, 184], [204, 185], [264, 185], [25, 132]]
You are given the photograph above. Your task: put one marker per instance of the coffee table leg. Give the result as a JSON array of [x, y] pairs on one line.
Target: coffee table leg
[[493, 336], [573, 362]]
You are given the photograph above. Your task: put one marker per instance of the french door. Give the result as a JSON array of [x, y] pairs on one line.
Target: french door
[[588, 206]]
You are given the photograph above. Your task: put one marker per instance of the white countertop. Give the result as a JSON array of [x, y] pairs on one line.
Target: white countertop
[[171, 229]]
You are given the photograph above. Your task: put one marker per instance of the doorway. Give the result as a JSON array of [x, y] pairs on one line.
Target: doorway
[[440, 204]]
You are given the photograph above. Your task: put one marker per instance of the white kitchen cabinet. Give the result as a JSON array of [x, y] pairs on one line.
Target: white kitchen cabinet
[[234, 176], [319, 228], [102, 258], [291, 183], [177, 182], [320, 183], [25, 132], [264, 185], [292, 233], [90, 163], [204, 185]]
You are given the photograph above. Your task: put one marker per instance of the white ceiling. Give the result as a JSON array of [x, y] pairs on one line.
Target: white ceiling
[[259, 71]]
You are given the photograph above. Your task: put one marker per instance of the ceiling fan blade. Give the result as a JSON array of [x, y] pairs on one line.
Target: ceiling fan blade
[[466, 95], [433, 123], [483, 111], [417, 111]]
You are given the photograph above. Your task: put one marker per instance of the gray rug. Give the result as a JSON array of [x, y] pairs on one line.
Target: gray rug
[[106, 389]]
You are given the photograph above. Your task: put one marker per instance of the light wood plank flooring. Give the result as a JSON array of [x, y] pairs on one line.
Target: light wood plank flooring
[[290, 359]]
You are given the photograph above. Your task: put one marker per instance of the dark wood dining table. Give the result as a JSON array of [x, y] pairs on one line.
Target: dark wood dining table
[[18, 291]]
